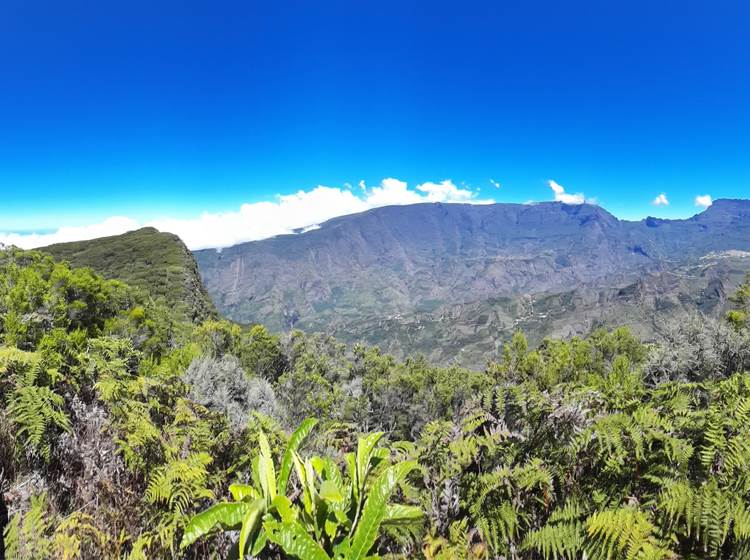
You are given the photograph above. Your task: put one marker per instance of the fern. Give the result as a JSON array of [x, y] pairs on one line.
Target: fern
[[725, 450], [560, 541], [77, 537], [563, 537], [37, 413], [493, 512], [34, 408], [708, 515], [140, 437], [177, 486], [179, 482], [27, 535], [625, 533]]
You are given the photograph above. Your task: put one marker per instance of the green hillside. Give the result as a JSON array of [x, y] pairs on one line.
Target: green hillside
[[148, 259]]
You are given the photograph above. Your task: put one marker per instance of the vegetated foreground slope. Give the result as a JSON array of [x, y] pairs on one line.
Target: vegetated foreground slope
[[453, 281], [128, 433], [148, 259]]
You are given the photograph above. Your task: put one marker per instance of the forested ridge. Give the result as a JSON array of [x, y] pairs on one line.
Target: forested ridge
[[148, 259], [128, 432]]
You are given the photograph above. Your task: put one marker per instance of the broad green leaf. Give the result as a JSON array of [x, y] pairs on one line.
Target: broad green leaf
[[260, 542], [341, 516], [225, 515], [266, 470], [333, 473], [285, 509], [398, 514], [379, 454], [341, 549], [308, 494], [299, 436], [365, 447], [319, 464], [330, 492], [254, 472], [295, 541], [312, 491], [251, 524], [330, 528], [241, 491], [351, 469], [375, 508]]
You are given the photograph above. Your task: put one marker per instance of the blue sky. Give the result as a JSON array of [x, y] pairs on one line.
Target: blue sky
[[154, 110]]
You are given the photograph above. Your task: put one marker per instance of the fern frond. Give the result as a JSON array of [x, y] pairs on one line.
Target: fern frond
[[561, 541], [626, 533], [180, 483], [37, 412], [26, 536], [707, 514]]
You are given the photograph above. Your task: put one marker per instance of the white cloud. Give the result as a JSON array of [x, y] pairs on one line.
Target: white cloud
[[660, 200], [285, 214], [391, 192], [562, 196], [114, 225], [494, 183], [445, 191], [263, 219], [703, 200]]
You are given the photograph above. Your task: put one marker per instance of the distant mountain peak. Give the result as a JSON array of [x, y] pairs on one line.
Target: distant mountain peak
[[729, 205], [588, 212], [726, 210], [146, 229]]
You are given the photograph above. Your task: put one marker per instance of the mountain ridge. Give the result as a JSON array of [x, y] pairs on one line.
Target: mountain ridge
[[369, 276], [146, 258]]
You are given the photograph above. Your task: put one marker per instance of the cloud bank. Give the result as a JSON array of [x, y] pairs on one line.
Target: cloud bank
[[259, 220], [111, 226]]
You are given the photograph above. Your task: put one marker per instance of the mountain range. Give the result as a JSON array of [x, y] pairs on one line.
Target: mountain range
[[454, 281]]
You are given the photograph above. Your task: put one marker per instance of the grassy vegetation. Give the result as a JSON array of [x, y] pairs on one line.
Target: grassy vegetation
[[156, 262]]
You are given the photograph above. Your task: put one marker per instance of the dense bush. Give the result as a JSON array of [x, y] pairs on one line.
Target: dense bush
[[698, 349], [221, 384], [120, 423]]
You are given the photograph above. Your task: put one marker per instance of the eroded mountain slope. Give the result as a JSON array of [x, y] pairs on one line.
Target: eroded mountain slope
[[458, 279]]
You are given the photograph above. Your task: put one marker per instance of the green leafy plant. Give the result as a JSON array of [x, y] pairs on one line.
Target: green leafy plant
[[342, 518], [27, 536], [331, 517], [252, 502]]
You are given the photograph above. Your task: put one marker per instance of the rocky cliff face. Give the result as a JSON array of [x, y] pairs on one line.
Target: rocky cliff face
[[454, 281]]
